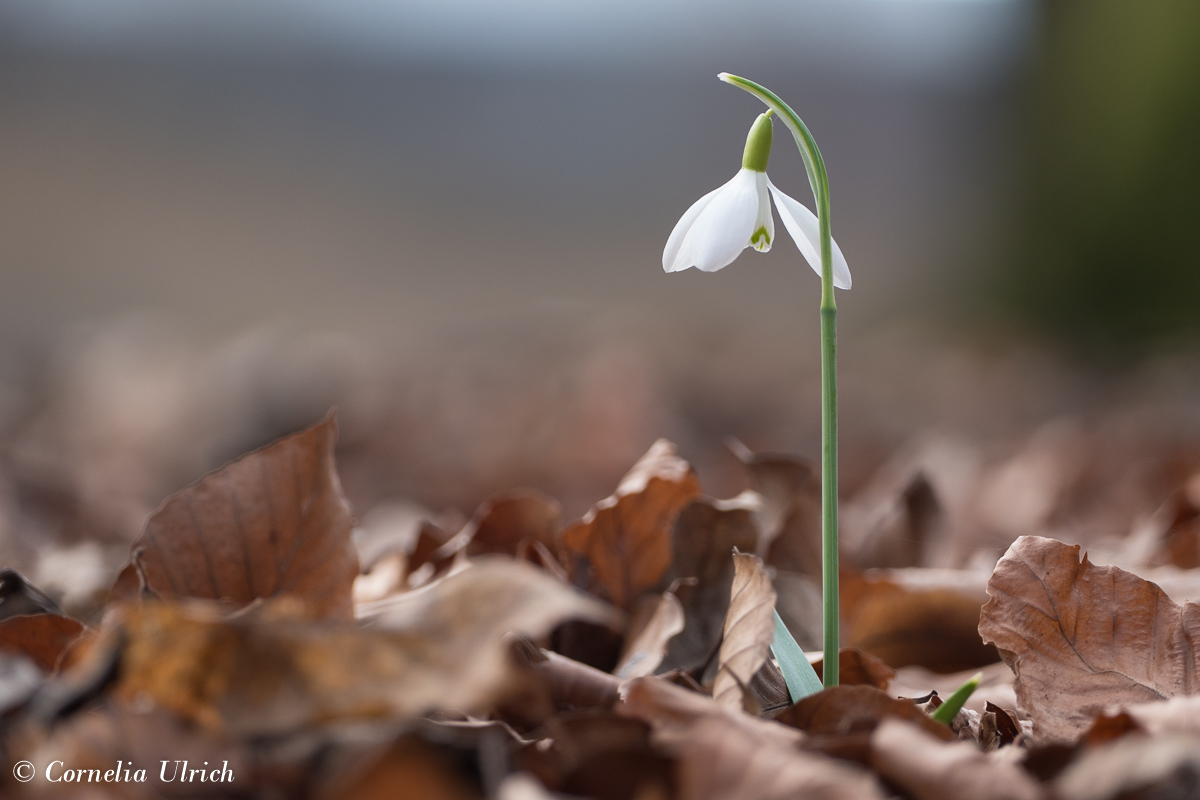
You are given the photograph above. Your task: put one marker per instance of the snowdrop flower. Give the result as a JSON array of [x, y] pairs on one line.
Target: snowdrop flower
[[718, 226]]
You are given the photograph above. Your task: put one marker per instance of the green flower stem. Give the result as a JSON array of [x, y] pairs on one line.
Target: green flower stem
[[814, 165]]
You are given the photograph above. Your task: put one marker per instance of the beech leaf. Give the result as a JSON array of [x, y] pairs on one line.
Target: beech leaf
[[273, 522], [1080, 637], [724, 754], [749, 630], [928, 768], [269, 671], [41, 637], [626, 537], [704, 536]]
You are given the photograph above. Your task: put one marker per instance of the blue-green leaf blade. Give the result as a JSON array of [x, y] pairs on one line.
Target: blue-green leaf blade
[[799, 675]]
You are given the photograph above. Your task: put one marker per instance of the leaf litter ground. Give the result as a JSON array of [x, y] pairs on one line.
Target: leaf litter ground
[[626, 655]]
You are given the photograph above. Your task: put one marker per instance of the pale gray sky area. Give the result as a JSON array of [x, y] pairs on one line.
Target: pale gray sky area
[[942, 40]]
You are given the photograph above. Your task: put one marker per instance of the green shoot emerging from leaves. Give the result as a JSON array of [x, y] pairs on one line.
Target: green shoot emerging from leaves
[[948, 710]]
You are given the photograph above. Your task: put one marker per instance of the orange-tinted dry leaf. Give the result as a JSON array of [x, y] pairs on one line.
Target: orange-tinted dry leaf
[[408, 770], [1109, 727], [1081, 637], [749, 630], [928, 768], [626, 537], [647, 642], [930, 626], [727, 755], [856, 668], [703, 539], [267, 673], [274, 522], [42, 637], [513, 521]]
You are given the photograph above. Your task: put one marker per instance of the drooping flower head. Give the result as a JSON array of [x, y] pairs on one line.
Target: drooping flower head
[[718, 226]]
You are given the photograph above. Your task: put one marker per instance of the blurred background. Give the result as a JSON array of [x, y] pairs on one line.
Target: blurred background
[[219, 218]]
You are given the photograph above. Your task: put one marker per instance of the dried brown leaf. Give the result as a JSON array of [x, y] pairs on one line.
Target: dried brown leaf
[[598, 754], [41, 637], [846, 709], [704, 536], [512, 522], [1081, 637], [626, 537], [648, 641], [272, 523], [267, 672], [932, 622], [568, 683], [727, 755], [1176, 715], [856, 668], [410, 769], [1134, 767], [749, 630], [927, 768]]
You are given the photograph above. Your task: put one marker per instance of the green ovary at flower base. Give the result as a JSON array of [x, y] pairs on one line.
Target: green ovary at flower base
[[713, 233]]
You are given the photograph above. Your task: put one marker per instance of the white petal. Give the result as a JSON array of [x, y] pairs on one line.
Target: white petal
[[802, 224], [765, 220], [674, 255], [722, 231]]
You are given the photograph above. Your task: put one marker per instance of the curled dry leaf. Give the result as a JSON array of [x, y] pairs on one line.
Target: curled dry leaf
[[648, 641], [267, 673], [626, 537], [845, 709], [569, 683], [274, 522], [749, 630], [927, 618], [513, 522], [41, 637], [856, 668], [927, 768], [1081, 637], [727, 755], [703, 539]]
